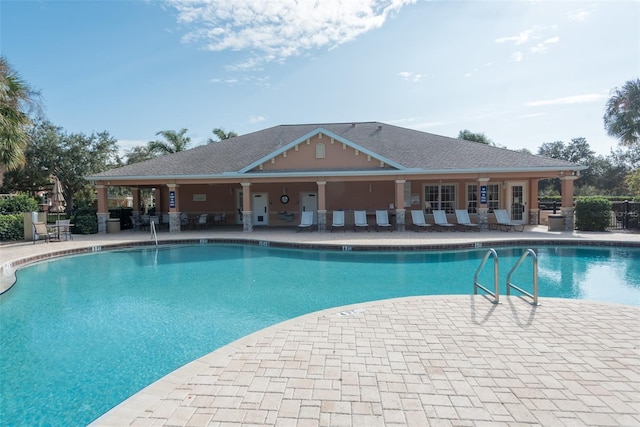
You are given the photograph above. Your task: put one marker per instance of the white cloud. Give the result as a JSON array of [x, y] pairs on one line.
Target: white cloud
[[517, 56], [529, 36], [521, 38], [411, 76], [542, 47], [577, 99], [579, 15], [276, 30], [256, 119]]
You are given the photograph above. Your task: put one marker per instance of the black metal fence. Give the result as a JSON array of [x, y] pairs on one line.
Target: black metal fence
[[626, 215]]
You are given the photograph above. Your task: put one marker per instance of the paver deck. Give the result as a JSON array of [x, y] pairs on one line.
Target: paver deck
[[440, 360]]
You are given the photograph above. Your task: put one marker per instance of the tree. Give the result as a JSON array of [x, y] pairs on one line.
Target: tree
[[221, 135], [622, 114], [70, 157], [174, 142], [467, 135], [16, 97], [139, 154]]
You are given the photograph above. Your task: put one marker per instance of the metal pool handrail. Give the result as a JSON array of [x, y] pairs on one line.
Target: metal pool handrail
[[510, 285], [496, 293], [154, 236]]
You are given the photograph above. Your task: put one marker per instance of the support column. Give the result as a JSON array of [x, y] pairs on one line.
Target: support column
[[567, 209], [534, 210], [482, 205], [322, 206], [103, 207], [174, 208], [247, 213], [400, 210]]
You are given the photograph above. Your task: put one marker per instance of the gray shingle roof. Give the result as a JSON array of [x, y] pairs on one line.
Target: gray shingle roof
[[409, 148]]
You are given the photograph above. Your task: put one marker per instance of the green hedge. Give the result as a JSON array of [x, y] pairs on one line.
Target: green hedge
[[593, 213], [86, 222], [11, 227], [18, 204]]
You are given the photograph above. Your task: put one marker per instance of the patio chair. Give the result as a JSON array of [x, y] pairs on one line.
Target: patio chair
[[202, 220], [360, 220], [338, 220], [306, 221], [41, 231], [503, 221], [440, 220], [418, 222], [464, 222], [382, 220], [64, 229]]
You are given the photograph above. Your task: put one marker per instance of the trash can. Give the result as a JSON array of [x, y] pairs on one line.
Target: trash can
[[556, 222], [113, 225]]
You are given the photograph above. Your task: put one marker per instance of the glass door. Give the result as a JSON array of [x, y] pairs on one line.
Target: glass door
[[517, 202]]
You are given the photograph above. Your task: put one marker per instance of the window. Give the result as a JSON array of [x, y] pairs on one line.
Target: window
[[440, 197], [472, 198], [493, 197], [320, 151]]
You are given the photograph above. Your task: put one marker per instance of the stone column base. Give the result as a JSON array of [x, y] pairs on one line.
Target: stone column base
[[247, 221], [483, 218], [322, 220], [400, 225], [174, 222], [533, 216], [569, 218], [102, 222]]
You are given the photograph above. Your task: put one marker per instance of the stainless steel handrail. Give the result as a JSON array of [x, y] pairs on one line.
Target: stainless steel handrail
[[496, 293], [510, 285], [154, 236]]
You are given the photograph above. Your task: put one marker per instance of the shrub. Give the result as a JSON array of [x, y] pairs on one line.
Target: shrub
[[11, 227], [593, 213], [18, 204], [86, 222]]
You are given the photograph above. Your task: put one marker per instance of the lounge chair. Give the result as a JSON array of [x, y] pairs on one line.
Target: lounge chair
[[306, 221], [64, 229], [202, 220], [418, 222], [503, 221], [40, 231], [440, 220], [360, 220], [462, 216], [338, 220], [382, 221]]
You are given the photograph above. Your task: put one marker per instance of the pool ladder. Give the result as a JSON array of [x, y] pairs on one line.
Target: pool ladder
[[496, 285], [154, 236]]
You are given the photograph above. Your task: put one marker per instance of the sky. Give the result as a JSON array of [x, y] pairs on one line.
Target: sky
[[521, 72]]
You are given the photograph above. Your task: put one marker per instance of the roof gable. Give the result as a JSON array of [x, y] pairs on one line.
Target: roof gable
[[321, 149]]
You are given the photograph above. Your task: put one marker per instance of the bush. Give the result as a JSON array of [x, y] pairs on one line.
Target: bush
[[593, 213], [86, 222], [18, 204], [11, 227]]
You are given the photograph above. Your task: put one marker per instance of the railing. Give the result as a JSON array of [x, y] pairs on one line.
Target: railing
[[534, 258], [496, 293], [154, 236]]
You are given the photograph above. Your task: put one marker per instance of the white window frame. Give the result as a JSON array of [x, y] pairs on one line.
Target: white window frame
[[448, 206]]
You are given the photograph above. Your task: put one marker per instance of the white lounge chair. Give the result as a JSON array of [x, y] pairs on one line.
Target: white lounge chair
[[338, 220], [64, 229], [202, 220], [382, 220], [417, 219], [440, 220], [503, 221], [360, 220], [464, 222], [306, 221]]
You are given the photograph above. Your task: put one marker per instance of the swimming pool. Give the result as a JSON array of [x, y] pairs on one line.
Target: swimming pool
[[81, 334]]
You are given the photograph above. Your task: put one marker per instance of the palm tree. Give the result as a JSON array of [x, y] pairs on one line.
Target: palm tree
[[15, 96], [222, 135], [175, 141], [622, 115]]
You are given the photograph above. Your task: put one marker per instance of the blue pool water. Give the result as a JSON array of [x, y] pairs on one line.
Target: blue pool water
[[80, 334]]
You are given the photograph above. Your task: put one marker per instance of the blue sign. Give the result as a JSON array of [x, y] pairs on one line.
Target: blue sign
[[172, 199], [483, 194]]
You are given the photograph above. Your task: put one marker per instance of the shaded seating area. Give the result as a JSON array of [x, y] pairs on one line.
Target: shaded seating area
[[418, 222], [441, 222], [464, 222], [382, 221], [360, 221], [503, 221], [64, 229], [306, 221], [338, 220]]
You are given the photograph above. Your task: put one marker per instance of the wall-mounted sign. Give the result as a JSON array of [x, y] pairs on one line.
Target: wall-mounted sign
[[199, 197], [172, 199], [483, 194]]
